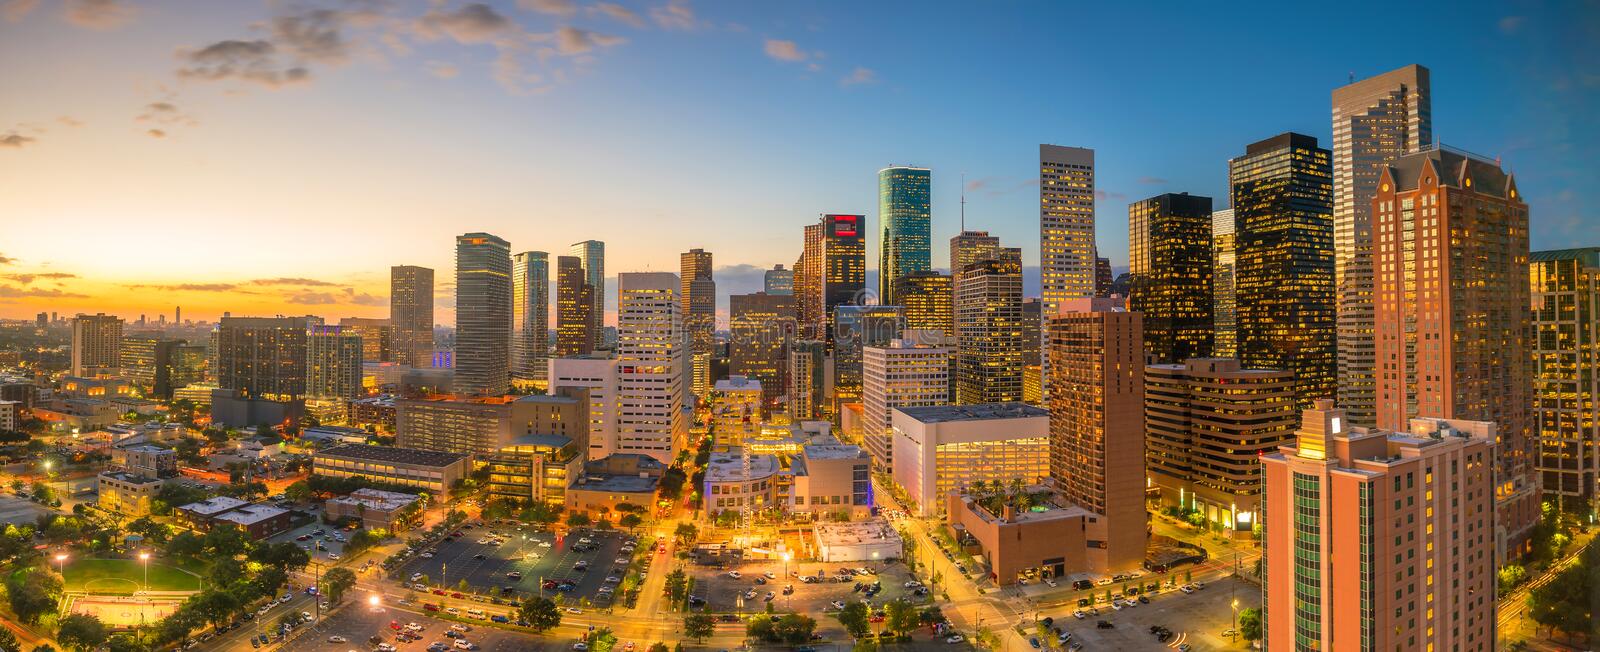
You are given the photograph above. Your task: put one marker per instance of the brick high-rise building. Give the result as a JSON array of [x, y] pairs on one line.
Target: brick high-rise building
[[1169, 256], [1408, 518], [96, 344], [1375, 121], [1450, 289], [1097, 425]]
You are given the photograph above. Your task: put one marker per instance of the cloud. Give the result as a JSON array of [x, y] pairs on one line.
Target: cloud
[[784, 50], [156, 133], [1152, 181], [674, 15], [14, 139], [978, 184], [312, 36], [1511, 24], [364, 299], [303, 282], [7, 260], [15, 10], [310, 298], [619, 12], [12, 292], [165, 113], [859, 76], [69, 121], [26, 279], [99, 14], [254, 61], [552, 7], [441, 69], [187, 287], [1107, 195], [473, 23], [571, 40]]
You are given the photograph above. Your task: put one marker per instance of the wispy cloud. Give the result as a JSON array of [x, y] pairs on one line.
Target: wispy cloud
[[7, 260], [1108, 195], [254, 61], [13, 292], [571, 40], [99, 14], [69, 121], [619, 12], [441, 69], [364, 299], [15, 10], [785, 50], [675, 15], [311, 298], [28, 278], [188, 287], [302, 282], [16, 140], [1511, 24], [165, 113], [155, 133], [859, 76], [552, 7], [1152, 181]]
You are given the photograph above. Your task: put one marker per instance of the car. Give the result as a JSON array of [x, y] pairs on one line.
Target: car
[[480, 556], [1200, 586], [1033, 641], [429, 606], [427, 555], [1079, 614], [437, 646], [770, 575], [912, 584], [455, 595], [1104, 624], [1051, 583], [500, 618], [458, 627], [413, 627], [452, 611], [580, 646], [1082, 585], [770, 596], [1104, 581], [954, 638], [303, 537], [574, 611], [734, 574], [255, 643], [750, 594], [463, 644], [613, 579], [837, 605], [544, 544], [1183, 647], [263, 638], [1228, 632], [1144, 599], [1186, 589], [453, 635], [305, 615], [761, 580]]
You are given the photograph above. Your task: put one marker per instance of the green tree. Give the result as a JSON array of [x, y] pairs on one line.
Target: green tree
[[865, 645], [578, 519], [298, 491], [8, 641], [1564, 603], [698, 626], [760, 628], [1250, 624], [33, 594], [81, 632], [336, 581], [794, 629], [677, 586], [854, 618], [215, 606], [687, 533], [630, 521], [900, 616], [658, 646], [540, 613], [1510, 576], [602, 640], [226, 541]]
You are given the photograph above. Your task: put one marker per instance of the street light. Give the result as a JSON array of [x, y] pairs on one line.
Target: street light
[[60, 559], [1235, 620], [144, 559]]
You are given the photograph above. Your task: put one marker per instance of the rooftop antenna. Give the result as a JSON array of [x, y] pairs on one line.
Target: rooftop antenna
[[963, 202]]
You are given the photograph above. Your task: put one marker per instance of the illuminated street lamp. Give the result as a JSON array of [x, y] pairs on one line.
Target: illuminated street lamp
[[1235, 629], [144, 559], [61, 558], [374, 603]]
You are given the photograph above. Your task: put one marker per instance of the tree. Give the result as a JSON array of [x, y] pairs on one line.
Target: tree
[[865, 645], [8, 641], [33, 594], [698, 626], [899, 616], [298, 491], [215, 606], [540, 613], [658, 646], [1250, 624], [284, 555], [794, 629], [1510, 576], [226, 571], [578, 519], [336, 581], [630, 521], [602, 640], [126, 643], [671, 485], [81, 632], [1562, 604], [226, 541], [185, 544], [677, 586], [854, 619], [687, 533], [760, 628], [43, 491]]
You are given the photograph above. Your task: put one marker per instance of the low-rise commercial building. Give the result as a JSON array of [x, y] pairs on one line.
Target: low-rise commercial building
[[431, 471], [535, 468], [198, 516], [374, 411], [732, 485], [126, 494], [1041, 539], [484, 425], [831, 478], [873, 540], [146, 461], [615, 479], [375, 509], [258, 520], [938, 449]]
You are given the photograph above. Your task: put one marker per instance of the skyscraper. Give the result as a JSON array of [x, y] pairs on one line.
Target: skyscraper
[[575, 322], [1407, 517], [833, 272], [530, 316], [1207, 422], [899, 374], [1097, 425], [1566, 370], [650, 366], [1375, 120], [779, 280], [333, 363], [592, 255], [96, 344], [1450, 292], [927, 298], [967, 247], [808, 380], [855, 328], [761, 326], [989, 329], [904, 216], [377, 337], [1066, 224], [1282, 206], [411, 314], [1224, 263], [1102, 277], [808, 284], [483, 314], [1169, 256], [260, 369], [698, 296]]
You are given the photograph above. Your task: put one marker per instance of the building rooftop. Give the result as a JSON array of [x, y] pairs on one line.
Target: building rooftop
[[213, 506], [387, 501], [1589, 255], [833, 451], [124, 476], [738, 384], [147, 448], [977, 412], [838, 534], [392, 455], [631, 484], [548, 399], [729, 467], [539, 440], [252, 514], [1454, 167]]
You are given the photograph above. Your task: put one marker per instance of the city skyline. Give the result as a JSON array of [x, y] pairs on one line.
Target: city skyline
[[341, 138]]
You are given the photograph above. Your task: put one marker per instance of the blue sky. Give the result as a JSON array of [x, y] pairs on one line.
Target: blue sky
[[658, 127]]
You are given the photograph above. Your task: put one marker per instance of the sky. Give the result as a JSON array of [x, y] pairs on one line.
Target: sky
[[277, 157]]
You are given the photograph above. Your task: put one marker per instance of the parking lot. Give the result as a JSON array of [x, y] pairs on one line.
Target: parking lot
[[538, 556], [1198, 619], [330, 545], [357, 622], [727, 594]]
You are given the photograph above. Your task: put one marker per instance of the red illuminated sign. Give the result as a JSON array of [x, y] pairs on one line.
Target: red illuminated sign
[[844, 225]]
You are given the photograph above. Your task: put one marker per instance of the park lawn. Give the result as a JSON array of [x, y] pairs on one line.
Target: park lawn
[[79, 575]]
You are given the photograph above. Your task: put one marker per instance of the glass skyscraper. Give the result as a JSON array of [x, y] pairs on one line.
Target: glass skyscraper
[[483, 314], [904, 215], [530, 316], [1169, 256]]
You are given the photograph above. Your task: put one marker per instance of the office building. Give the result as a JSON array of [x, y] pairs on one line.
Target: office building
[[1450, 291], [900, 374], [810, 379], [535, 469], [159, 365], [576, 321], [530, 317], [592, 257], [1224, 262], [736, 411], [1169, 256], [904, 218], [832, 272], [1566, 371], [928, 300], [855, 328], [377, 337], [761, 326], [96, 344], [969, 246], [333, 363], [829, 478], [698, 305], [483, 315], [10, 415], [411, 314], [596, 376], [484, 425], [937, 449], [650, 366], [1097, 425], [989, 329], [376, 509], [1282, 207], [423, 470], [614, 480], [779, 280], [1406, 515], [138, 357], [1375, 121], [1102, 277], [126, 494], [261, 369], [1066, 224], [1207, 422]]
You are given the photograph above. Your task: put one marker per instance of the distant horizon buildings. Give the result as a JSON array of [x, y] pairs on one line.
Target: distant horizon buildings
[[778, 280], [592, 258], [483, 315]]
